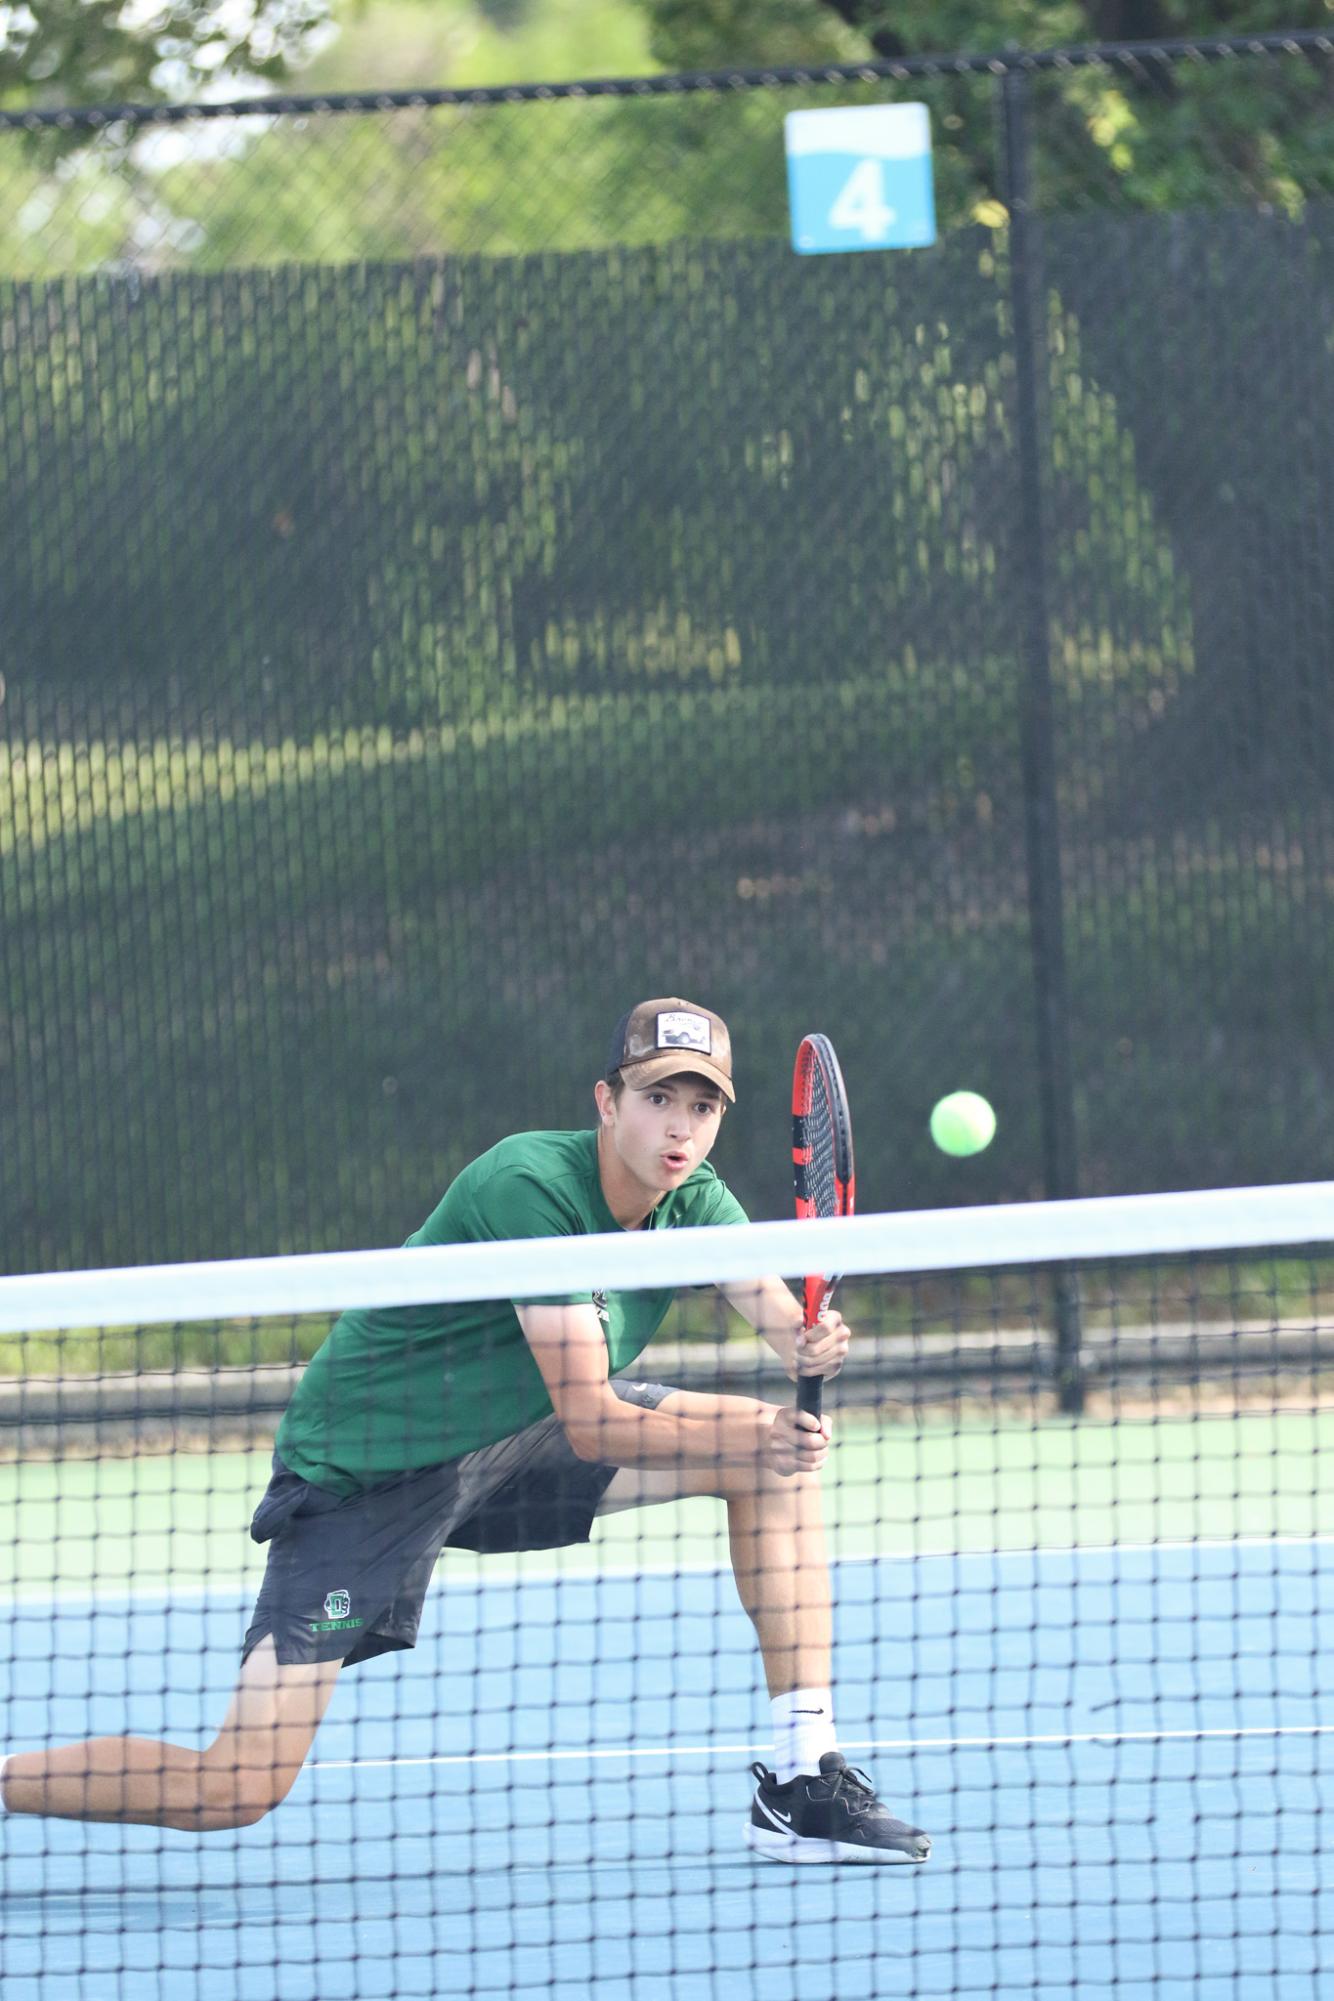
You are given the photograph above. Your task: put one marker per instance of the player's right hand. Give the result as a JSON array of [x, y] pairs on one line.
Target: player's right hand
[[797, 1442]]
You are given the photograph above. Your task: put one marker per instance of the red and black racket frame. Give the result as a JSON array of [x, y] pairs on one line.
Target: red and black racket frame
[[817, 1064]]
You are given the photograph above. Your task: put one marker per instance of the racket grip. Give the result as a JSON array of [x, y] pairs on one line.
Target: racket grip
[[810, 1394]]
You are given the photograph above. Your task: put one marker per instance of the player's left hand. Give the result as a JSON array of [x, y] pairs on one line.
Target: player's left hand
[[822, 1349]]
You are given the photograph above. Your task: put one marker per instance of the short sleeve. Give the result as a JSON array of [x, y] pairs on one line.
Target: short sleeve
[[497, 1203], [516, 1203]]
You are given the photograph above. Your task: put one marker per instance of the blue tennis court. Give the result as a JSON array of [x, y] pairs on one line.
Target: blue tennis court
[[1121, 1754]]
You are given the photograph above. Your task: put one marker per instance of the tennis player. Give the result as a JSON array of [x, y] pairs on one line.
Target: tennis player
[[491, 1426]]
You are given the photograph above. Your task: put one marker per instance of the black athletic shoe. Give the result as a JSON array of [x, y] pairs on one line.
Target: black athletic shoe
[[833, 1818]]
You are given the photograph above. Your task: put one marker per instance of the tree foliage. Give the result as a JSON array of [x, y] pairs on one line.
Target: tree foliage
[[1142, 134], [63, 52]]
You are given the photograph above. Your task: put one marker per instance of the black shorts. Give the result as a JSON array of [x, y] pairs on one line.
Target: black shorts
[[347, 1574]]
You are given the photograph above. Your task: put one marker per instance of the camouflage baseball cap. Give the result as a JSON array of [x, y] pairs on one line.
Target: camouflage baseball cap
[[667, 1038]]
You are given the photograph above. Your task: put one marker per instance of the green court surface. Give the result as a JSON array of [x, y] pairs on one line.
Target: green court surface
[[180, 1520]]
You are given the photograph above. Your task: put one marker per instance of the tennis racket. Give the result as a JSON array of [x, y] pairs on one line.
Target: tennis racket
[[822, 1171]]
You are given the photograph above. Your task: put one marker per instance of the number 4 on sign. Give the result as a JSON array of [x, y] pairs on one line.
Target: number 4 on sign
[[859, 177], [860, 204]]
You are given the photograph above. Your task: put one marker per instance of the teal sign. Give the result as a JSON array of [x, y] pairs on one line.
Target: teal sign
[[859, 178]]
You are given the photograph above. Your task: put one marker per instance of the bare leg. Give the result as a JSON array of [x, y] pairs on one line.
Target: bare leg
[[246, 1771], [776, 1533], [782, 1574]]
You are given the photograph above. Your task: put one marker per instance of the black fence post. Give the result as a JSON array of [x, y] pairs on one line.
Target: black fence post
[[1041, 816]]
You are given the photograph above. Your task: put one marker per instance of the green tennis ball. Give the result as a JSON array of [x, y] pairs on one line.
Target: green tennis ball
[[963, 1123]]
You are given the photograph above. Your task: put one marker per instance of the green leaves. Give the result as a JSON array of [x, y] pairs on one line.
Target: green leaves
[[66, 52]]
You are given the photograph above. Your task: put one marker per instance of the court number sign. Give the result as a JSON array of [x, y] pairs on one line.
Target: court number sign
[[859, 178]]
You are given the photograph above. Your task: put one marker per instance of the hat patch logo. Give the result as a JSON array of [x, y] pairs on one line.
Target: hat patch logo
[[685, 1031]]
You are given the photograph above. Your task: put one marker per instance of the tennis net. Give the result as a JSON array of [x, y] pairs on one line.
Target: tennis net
[[1079, 1535]]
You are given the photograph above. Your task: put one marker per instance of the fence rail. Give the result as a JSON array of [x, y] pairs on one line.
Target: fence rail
[[1006, 62]]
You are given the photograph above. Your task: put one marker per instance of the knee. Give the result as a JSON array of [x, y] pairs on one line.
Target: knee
[[224, 1820], [239, 1795], [249, 1812]]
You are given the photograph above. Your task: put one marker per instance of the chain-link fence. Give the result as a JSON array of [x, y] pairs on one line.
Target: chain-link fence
[[464, 572]]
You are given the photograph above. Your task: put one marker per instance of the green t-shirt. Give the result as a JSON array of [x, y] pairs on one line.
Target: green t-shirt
[[396, 1388]]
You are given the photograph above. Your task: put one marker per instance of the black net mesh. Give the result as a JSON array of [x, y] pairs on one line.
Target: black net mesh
[[436, 539], [1090, 1660], [464, 572]]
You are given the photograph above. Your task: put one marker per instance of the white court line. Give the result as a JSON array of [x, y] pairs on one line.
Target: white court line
[[240, 1587], [1060, 1740]]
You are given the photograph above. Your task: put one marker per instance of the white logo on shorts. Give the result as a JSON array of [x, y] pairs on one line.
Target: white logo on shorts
[[338, 1604]]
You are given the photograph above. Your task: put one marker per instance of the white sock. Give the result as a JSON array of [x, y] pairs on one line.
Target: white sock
[[803, 1731]]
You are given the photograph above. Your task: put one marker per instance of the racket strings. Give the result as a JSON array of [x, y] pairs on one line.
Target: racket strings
[[821, 1137]]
